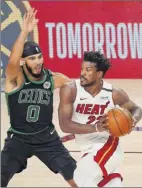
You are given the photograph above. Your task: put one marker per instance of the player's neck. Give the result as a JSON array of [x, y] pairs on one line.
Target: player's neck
[[95, 88], [34, 78]]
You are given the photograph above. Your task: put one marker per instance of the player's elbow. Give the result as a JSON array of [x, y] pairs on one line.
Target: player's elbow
[[64, 130], [64, 126]]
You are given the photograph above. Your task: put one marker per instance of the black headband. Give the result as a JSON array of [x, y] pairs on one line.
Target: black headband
[[31, 50]]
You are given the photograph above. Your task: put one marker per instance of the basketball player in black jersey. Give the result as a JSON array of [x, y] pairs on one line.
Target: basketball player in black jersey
[[29, 93]]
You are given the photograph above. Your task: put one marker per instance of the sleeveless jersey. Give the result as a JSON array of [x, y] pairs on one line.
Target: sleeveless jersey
[[88, 110], [31, 106]]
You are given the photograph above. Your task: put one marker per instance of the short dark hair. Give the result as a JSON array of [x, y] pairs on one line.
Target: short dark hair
[[30, 48], [101, 63]]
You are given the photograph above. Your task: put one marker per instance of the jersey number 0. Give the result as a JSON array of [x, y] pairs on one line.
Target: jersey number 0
[[33, 113]]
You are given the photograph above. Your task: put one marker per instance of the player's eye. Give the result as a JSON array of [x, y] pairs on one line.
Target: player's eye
[[31, 58], [40, 56], [88, 69]]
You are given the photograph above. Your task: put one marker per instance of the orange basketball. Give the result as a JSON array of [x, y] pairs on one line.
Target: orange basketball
[[120, 122]]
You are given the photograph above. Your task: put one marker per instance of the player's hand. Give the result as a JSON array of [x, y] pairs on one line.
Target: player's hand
[[102, 124], [134, 122], [133, 125], [29, 20]]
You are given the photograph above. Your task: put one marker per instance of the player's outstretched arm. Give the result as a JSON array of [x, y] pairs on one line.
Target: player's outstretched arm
[[13, 67]]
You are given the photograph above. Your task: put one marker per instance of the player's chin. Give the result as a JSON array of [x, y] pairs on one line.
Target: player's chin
[[37, 75], [83, 83]]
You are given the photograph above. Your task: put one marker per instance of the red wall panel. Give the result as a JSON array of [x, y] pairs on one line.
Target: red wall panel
[[67, 29]]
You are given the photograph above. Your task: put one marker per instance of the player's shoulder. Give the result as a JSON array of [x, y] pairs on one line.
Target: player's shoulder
[[118, 91], [68, 91], [119, 95], [69, 88], [115, 90], [70, 85], [59, 79], [58, 75]]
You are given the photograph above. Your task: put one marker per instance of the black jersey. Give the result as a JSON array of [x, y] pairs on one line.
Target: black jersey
[[31, 106]]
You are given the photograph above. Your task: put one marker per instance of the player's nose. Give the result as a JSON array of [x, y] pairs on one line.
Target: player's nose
[[83, 73]]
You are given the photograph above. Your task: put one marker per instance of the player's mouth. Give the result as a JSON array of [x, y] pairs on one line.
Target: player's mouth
[[38, 69], [82, 79]]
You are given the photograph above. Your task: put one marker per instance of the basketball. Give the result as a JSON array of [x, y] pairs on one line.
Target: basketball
[[120, 122]]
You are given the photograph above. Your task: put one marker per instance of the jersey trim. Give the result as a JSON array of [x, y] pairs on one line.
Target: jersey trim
[[10, 93], [49, 73], [106, 152], [40, 81], [16, 90], [33, 133], [107, 179], [52, 81], [6, 97], [110, 90]]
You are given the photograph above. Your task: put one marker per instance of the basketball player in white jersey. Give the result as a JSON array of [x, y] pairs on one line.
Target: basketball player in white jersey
[[83, 111]]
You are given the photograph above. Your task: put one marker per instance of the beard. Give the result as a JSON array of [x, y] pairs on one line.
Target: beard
[[33, 74], [87, 84]]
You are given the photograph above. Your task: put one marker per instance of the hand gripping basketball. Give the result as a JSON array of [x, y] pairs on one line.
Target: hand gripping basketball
[[120, 122], [102, 124]]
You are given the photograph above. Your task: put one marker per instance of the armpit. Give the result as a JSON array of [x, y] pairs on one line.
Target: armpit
[[12, 81]]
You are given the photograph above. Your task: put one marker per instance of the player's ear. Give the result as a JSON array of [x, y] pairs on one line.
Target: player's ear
[[22, 61], [100, 74]]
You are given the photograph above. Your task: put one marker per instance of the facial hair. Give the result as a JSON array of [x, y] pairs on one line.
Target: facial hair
[[89, 84], [31, 72]]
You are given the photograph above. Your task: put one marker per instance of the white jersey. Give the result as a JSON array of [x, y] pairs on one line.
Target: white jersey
[[101, 153], [88, 109]]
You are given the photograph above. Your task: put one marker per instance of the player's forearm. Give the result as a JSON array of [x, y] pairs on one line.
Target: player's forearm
[[17, 49], [76, 128], [13, 67]]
